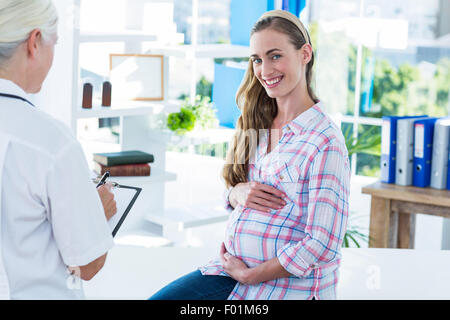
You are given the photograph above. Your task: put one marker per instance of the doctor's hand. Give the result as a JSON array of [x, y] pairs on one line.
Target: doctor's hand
[[257, 196], [108, 202]]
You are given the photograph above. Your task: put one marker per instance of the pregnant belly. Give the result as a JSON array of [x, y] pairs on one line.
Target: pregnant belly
[[258, 237]]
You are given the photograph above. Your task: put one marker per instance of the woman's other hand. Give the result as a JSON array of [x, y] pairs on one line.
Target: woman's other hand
[[257, 196], [235, 267], [108, 201]]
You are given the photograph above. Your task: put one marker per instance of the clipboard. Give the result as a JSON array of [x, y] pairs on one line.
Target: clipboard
[[125, 197]]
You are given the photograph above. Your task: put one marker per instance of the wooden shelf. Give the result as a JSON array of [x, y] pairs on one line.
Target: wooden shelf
[[393, 209], [408, 193]]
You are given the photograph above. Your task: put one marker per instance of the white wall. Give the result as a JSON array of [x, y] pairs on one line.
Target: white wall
[[56, 94]]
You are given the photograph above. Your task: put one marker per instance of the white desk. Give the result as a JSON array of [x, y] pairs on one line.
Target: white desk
[[132, 272], [394, 274], [138, 272]]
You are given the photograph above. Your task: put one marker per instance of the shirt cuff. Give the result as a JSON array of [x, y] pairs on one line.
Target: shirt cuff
[[289, 258], [91, 254]]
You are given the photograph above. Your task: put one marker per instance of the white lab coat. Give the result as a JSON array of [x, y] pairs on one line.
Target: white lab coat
[[4, 287], [51, 214]]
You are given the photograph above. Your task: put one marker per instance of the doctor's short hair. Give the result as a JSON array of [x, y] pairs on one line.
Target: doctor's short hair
[[18, 18]]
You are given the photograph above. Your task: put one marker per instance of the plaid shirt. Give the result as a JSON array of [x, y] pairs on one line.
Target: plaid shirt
[[310, 164]]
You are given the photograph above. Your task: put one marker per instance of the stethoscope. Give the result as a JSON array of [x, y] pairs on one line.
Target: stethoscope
[[12, 96]]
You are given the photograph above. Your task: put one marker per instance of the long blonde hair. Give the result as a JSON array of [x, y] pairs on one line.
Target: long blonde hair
[[258, 109]]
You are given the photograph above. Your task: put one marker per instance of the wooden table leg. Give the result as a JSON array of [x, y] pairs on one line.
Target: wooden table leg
[[393, 229], [380, 210], [406, 226]]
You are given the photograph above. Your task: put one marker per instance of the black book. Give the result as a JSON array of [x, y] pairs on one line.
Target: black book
[[123, 157]]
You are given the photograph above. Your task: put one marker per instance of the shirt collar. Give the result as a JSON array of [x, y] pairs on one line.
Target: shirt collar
[[303, 119], [9, 87]]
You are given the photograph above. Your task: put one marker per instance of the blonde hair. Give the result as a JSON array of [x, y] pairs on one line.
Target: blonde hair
[[288, 16], [258, 109], [18, 18]]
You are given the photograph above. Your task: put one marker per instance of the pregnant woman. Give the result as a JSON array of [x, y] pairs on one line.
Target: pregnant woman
[[288, 178]]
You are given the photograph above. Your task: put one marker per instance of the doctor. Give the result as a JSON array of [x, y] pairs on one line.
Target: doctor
[[52, 219]]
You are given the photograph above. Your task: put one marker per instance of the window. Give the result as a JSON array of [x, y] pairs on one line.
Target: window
[[372, 57], [377, 58]]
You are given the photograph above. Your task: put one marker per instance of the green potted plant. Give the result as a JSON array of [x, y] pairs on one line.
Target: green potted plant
[[198, 115], [204, 113], [181, 122], [369, 142]]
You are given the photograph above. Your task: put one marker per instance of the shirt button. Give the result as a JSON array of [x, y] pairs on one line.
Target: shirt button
[[281, 177]]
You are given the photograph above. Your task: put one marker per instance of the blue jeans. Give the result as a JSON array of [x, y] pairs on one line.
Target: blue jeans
[[195, 286]]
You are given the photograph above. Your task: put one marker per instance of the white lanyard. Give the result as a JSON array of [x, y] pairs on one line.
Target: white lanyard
[[13, 96]]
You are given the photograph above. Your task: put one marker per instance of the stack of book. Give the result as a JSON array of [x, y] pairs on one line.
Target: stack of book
[[124, 163], [415, 151]]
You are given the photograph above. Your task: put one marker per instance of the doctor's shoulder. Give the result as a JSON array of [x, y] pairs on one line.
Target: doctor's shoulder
[[46, 132]]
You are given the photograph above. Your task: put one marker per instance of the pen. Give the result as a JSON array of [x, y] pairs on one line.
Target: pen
[[103, 179]]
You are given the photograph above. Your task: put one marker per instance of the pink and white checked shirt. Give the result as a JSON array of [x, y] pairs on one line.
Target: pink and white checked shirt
[[310, 164]]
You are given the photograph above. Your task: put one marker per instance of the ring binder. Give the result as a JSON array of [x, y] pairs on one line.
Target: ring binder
[[389, 147], [423, 144], [405, 150], [439, 160]]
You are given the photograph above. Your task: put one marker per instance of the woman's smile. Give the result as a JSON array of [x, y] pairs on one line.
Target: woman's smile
[[273, 82], [277, 64]]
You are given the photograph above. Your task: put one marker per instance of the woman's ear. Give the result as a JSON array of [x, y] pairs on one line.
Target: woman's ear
[[306, 53], [33, 42]]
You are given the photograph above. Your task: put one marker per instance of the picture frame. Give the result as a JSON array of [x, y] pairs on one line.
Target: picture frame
[[138, 77]]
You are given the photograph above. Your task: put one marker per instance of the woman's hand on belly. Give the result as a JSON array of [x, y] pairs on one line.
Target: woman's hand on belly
[[257, 196], [238, 270], [234, 267]]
